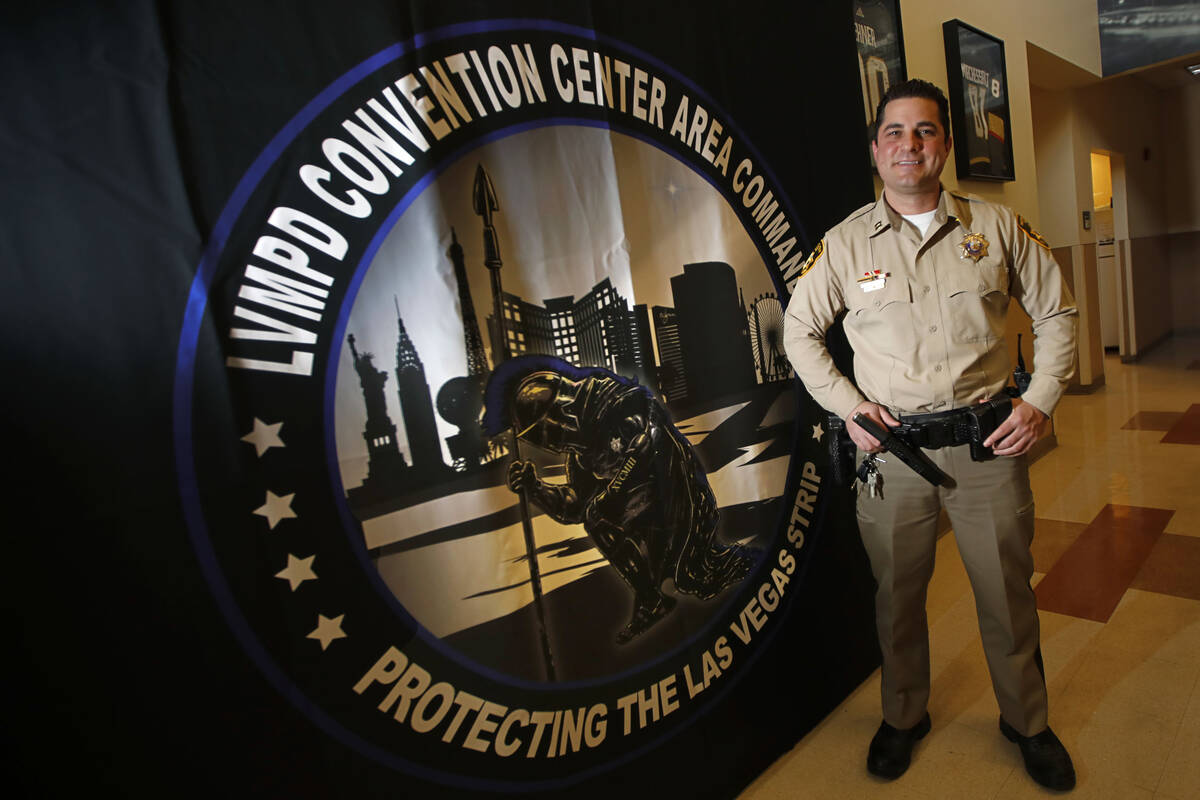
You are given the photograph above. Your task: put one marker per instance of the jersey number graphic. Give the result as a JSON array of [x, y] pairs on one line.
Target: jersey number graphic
[[874, 75], [978, 97]]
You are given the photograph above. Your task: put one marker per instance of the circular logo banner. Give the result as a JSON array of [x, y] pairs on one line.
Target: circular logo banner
[[487, 442]]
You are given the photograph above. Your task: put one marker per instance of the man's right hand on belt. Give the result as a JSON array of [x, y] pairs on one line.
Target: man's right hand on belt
[[1020, 431], [865, 441]]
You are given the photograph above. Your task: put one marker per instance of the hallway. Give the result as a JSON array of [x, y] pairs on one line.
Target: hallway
[[1117, 555]]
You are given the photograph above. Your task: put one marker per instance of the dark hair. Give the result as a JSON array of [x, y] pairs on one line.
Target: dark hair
[[914, 87]]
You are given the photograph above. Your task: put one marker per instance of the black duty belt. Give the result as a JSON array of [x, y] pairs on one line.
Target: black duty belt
[[970, 426], [934, 431], [960, 426]]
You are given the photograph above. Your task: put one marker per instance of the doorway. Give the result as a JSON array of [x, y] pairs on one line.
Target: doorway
[[1110, 227]]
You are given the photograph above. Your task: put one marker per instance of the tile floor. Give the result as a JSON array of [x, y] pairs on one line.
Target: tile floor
[[1117, 554]]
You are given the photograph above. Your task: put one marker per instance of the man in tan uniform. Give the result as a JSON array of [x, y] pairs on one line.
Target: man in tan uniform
[[925, 277]]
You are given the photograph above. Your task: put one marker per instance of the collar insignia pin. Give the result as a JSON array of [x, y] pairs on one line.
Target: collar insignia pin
[[974, 246]]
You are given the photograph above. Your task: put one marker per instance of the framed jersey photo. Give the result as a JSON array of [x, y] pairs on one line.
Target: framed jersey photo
[[880, 53], [980, 119]]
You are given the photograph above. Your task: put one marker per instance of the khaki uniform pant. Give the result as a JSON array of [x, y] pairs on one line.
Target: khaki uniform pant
[[991, 511]]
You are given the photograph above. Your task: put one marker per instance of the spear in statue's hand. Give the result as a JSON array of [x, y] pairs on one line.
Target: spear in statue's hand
[[484, 199]]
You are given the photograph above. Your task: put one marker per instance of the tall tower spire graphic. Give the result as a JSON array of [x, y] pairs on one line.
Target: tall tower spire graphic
[[476, 357], [416, 405]]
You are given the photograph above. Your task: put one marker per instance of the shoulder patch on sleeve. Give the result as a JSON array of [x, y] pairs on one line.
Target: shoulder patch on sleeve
[[1024, 225], [813, 258]]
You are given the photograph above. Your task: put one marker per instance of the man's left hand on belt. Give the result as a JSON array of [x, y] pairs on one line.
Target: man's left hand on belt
[[1023, 427]]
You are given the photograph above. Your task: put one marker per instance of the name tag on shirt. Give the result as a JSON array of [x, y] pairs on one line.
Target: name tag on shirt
[[872, 281]]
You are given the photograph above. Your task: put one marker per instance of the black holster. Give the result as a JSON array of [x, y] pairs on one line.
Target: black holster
[[982, 419], [842, 451]]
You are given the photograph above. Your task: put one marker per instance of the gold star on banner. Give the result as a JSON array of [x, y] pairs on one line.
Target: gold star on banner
[[276, 508], [298, 571], [264, 436], [817, 431], [328, 630]]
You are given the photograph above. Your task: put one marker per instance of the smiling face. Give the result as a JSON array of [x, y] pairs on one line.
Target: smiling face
[[910, 150]]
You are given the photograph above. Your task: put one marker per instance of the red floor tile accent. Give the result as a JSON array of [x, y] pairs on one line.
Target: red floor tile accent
[[1152, 421], [1092, 575], [1172, 568], [1187, 429]]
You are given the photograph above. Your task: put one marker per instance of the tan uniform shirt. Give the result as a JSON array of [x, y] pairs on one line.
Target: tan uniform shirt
[[931, 336]]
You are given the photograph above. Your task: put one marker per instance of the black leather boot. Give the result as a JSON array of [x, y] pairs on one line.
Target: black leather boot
[[1046, 760], [891, 749]]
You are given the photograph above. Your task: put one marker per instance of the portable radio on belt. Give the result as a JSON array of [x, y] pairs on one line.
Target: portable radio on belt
[[1021, 378]]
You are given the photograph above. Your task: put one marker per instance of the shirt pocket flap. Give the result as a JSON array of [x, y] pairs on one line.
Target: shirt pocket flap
[[984, 278], [894, 290]]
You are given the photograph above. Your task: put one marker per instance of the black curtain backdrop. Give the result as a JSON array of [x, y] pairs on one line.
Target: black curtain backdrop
[[126, 129]]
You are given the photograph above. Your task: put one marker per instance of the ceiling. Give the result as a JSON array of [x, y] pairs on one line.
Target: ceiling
[[1048, 71], [1170, 73]]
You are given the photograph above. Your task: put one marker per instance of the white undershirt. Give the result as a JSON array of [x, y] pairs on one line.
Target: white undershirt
[[922, 221]]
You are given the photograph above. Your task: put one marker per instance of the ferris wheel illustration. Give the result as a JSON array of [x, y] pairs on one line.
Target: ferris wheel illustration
[[765, 316]]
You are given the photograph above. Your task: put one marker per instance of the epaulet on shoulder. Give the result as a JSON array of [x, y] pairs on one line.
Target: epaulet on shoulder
[[976, 200], [857, 214]]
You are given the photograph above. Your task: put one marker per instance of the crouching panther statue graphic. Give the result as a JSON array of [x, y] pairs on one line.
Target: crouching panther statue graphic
[[632, 479]]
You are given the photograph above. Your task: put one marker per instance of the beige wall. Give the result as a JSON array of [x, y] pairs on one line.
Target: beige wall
[[1149, 275], [1184, 254], [1157, 133], [1123, 115], [1153, 133], [1057, 168], [1067, 28], [1078, 263], [1180, 122]]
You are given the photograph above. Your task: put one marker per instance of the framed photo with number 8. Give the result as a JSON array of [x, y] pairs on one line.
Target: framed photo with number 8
[[979, 116], [880, 53]]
